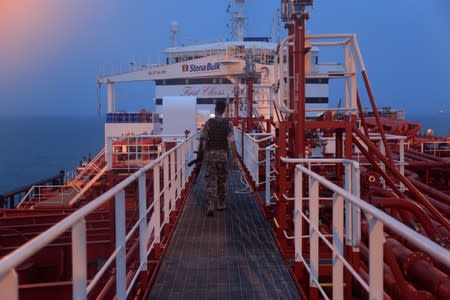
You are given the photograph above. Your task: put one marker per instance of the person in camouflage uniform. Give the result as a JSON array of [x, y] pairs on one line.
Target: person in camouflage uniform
[[217, 134]]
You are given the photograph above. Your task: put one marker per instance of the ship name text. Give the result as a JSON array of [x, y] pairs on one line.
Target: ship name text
[[200, 68]]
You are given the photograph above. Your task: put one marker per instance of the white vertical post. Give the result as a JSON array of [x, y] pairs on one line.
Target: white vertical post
[[350, 81], [338, 247], [348, 204], [111, 97], [356, 211], [178, 172], [313, 228], [298, 219], [9, 285], [267, 186], [172, 180], [376, 243], [79, 261], [255, 163], [184, 149], [121, 289], [402, 162], [157, 201], [143, 222], [109, 153], [166, 189]]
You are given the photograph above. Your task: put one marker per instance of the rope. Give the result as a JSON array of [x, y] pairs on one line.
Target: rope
[[246, 190]]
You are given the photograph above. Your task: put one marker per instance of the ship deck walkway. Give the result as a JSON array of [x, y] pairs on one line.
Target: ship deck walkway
[[229, 256]]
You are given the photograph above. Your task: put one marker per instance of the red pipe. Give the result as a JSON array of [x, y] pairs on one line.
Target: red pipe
[[429, 156], [419, 269], [428, 189], [299, 85], [378, 169], [417, 211], [365, 277], [395, 283], [401, 177], [439, 205], [361, 114], [377, 115]]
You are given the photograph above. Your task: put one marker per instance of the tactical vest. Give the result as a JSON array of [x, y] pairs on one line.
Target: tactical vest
[[218, 134]]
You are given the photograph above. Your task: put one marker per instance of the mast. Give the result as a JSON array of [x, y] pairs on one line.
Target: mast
[[238, 19]]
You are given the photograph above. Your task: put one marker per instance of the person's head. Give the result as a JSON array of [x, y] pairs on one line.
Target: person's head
[[220, 107]]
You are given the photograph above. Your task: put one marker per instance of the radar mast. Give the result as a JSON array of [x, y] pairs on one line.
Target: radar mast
[[238, 19]]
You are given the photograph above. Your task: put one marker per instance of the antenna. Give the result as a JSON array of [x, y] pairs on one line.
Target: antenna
[[174, 28], [276, 26], [237, 19]]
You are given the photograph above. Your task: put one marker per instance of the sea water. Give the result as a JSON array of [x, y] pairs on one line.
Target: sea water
[[34, 148], [439, 122]]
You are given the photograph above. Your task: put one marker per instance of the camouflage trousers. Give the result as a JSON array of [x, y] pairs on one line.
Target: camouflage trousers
[[215, 177]]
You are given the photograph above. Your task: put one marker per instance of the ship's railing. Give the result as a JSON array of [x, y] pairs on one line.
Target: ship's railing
[[436, 148], [252, 152], [133, 152], [90, 170], [13, 198], [346, 211], [132, 117], [166, 191], [70, 175], [65, 194], [395, 142], [48, 195]]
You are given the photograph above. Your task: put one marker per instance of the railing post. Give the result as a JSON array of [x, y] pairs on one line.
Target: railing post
[[338, 246], [348, 205], [172, 181], [79, 260], [109, 153], [143, 222], [166, 189], [256, 162], [402, 162], [314, 237], [298, 219], [376, 243], [267, 186], [120, 244], [9, 285], [177, 175], [356, 211], [183, 163], [157, 201]]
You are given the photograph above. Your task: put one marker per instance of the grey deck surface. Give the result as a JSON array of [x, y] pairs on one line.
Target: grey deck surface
[[229, 256]]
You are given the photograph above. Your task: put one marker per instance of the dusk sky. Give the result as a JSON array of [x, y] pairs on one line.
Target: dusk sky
[[51, 51]]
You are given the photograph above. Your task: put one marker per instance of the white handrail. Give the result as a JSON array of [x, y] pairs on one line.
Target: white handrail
[[77, 223], [377, 219]]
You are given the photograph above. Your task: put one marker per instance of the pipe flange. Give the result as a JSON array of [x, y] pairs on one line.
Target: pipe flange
[[414, 257]]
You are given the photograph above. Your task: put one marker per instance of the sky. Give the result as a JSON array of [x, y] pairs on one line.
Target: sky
[[51, 51]]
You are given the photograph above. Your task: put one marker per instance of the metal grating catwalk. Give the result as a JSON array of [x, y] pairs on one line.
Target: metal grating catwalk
[[229, 256]]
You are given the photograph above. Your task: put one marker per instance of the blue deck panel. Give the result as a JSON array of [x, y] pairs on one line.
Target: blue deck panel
[[229, 256]]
